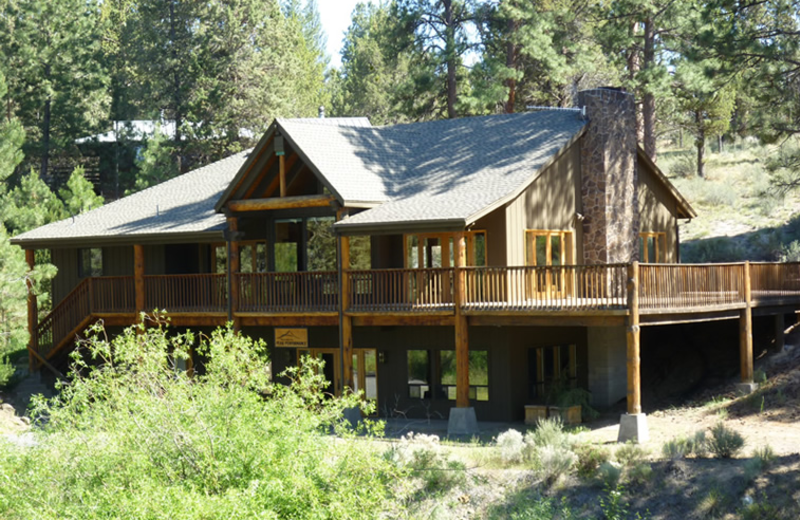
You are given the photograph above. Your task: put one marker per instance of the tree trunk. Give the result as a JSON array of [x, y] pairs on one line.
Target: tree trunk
[[648, 99], [719, 143], [511, 63], [43, 171], [700, 143], [633, 69], [450, 57], [176, 85]]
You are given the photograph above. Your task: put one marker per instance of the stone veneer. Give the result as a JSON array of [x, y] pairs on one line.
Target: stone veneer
[[609, 177]]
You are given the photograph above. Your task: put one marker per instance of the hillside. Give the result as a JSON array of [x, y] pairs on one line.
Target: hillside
[[740, 215]]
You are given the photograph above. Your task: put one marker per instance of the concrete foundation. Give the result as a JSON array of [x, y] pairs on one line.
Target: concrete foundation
[[633, 428], [746, 388], [608, 376], [462, 421], [353, 416]]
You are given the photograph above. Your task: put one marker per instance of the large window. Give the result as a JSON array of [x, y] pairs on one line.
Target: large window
[[442, 363], [653, 247], [437, 249], [419, 374], [544, 247], [90, 262], [551, 369]]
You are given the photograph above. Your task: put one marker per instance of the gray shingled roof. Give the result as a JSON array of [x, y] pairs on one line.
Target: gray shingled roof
[[183, 205], [436, 172]]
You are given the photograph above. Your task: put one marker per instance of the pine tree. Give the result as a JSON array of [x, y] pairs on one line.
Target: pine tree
[[56, 77], [79, 196]]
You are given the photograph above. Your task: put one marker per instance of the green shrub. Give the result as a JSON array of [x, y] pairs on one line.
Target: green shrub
[[423, 455], [555, 461], [630, 454], [130, 437], [609, 473], [641, 473], [590, 458], [681, 447], [549, 432], [6, 371], [724, 443], [511, 445]]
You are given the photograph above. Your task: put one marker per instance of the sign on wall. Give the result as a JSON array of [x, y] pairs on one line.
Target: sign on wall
[[291, 338]]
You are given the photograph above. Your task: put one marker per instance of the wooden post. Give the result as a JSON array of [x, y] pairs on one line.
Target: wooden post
[[33, 310], [462, 327], [282, 173], [233, 264], [138, 277], [633, 337], [347, 321], [746, 331]]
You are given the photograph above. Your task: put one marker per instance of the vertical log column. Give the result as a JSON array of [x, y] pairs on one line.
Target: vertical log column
[[138, 278], [33, 310], [346, 321], [462, 328], [233, 270], [633, 337], [746, 332], [780, 327]]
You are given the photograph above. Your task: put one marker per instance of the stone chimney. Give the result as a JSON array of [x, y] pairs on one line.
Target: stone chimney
[[609, 177]]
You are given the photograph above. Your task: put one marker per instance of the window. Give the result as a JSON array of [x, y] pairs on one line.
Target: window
[[419, 370], [653, 247], [548, 247], [432, 250], [551, 368], [90, 262], [478, 374], [252, 257]]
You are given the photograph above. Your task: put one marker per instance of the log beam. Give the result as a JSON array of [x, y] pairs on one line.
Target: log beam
[[33, 310], [462, 326], [746, 331], [138, 278], [302, 201], [633, 337], [346, 322], [234, 267]]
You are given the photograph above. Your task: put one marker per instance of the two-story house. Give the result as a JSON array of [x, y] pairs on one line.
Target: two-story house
[[457, 268]]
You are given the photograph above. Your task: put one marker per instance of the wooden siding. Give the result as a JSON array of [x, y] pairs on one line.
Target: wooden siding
[[496, 240], [66, 261], [118, 261], [550, 202], [154, 259], [658, 210]]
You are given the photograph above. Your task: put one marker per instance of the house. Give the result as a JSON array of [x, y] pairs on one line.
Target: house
[[455, 268]]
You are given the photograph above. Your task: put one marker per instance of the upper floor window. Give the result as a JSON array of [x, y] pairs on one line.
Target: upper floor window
[[431, 250], [90, 262], [547, 247], [653, 247]]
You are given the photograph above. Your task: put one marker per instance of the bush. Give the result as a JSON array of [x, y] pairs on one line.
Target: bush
[[724, 443], [131, 437], [609, 473], [682, 447], [511, 445], [423, 456], [555, 461], [590, 458], [641, 473], [549, 432], [630, 454], [6, 371]]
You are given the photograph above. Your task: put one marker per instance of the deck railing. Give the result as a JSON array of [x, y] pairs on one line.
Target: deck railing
[[186, 292], [63, 319], [113, 294], [401, 290], [316, 291], [546, 288], [771, 282], [690, 286]]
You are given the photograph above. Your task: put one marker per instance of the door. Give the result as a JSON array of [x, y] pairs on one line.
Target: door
[[551, 250]]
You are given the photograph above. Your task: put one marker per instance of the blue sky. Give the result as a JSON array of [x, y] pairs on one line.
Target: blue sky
[[335, 16]]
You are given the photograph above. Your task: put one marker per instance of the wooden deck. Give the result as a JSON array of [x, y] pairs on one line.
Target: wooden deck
[[552, 295]]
